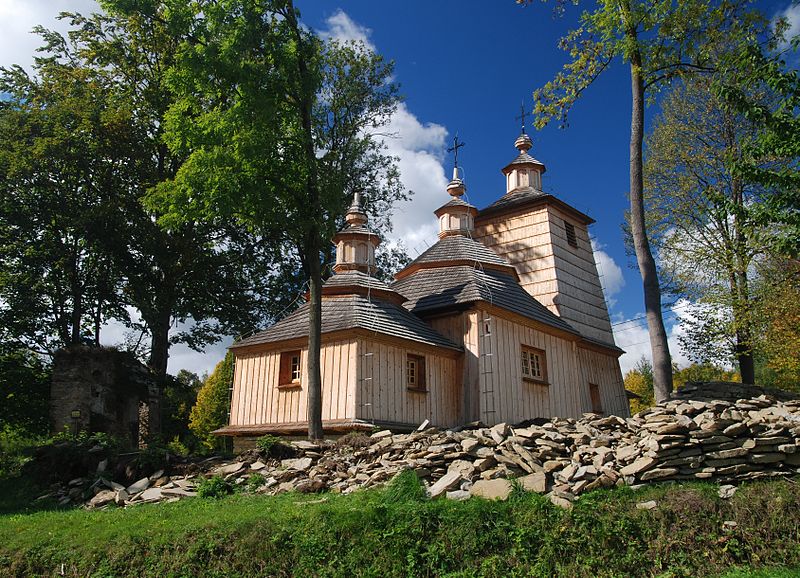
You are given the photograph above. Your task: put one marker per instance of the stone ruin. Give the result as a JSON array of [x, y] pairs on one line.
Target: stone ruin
[[100, 389], [725, 441]]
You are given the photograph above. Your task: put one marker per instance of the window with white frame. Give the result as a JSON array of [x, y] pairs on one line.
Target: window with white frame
[[534, 364]]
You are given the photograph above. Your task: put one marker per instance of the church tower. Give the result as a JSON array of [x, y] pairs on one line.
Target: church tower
[[548, 243]]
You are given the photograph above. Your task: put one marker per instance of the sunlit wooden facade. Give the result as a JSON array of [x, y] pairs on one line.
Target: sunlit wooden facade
[[502, 320]]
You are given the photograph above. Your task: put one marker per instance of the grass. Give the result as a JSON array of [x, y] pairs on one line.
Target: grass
[[396, 531]]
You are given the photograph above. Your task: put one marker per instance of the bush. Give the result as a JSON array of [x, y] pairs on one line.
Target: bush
[[17, 447], [274, 447], [215, 487]]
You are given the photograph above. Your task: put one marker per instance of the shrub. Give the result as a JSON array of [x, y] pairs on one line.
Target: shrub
[[16, 449], [177, 447], [215, 487], [274, 447]]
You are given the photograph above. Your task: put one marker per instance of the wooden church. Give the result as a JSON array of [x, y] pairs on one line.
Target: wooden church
[[502, 320]]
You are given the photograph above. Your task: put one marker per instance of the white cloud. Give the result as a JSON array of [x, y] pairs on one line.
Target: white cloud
[[792, 15], [632, 336], [342, 28], [418, 146], [611, 277], [18, 17], [114, 333]]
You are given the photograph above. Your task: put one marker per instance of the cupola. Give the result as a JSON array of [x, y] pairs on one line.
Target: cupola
[[356, 243], [456, 217], [524, 172]]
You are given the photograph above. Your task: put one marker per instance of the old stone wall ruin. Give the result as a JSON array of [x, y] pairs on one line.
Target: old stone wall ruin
[[98, 389]]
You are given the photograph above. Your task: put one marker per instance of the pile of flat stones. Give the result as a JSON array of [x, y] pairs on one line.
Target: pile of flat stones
[[724, 441]]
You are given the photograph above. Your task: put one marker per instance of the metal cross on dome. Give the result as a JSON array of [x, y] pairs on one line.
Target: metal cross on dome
[[454, 149], [522, 115]]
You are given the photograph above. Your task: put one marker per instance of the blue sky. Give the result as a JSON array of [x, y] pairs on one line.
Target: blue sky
[[465, 67]]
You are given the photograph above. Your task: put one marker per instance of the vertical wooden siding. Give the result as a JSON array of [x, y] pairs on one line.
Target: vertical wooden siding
[[257, 399], [383, 394], [604, 370]]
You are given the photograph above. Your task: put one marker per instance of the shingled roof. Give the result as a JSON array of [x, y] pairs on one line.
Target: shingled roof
[[459, 248], [352, 312], [357, 279], [523, 159], [441, 288], [528, 195]]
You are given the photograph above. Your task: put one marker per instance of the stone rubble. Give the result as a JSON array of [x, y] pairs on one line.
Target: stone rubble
[[723, 441]]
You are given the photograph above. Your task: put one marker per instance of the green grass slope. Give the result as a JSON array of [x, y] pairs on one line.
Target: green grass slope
[[396, 531]]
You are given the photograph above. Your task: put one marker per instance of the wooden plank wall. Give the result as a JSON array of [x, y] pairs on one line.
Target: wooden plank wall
[[502, 387], [463, 329], [582, 302], [258, 400], [604, 370], [524, 241], [383, 395]]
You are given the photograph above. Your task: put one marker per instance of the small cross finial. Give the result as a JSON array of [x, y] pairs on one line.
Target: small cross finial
[[522, 115], [454, 149]]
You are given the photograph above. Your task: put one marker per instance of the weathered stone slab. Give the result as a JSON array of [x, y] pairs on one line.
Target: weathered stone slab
[[139, 486], [639, 466], [535, 482], [497, 489], [449, 481]]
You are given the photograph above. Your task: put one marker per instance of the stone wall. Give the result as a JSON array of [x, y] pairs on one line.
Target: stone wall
[[104, 387]]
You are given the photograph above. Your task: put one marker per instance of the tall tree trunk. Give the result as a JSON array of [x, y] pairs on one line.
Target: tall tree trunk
[[159, 356], [312, 242], [744, 334], [77, 297], [313, 369], [662, 363], [159, 342]]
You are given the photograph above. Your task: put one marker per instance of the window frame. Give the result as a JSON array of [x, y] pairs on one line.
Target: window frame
[[287, 369], [420, 382], [527, 354], [571, 233]]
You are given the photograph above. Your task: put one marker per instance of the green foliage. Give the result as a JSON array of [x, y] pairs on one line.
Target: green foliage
[[213, 404], [24, 391], [274, 447], [267, 442], [178, 448], [82, 142], [405, 487], [639, 380], [703, 372], [178, 396], [754, 67], [603, 536], [214, 487], [16, 449], [254, 482], [778, 316]]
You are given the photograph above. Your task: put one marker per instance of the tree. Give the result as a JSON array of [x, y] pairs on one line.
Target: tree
[[179, 396], [699, 214], [278, 129], [778, 322], [659, 41], [24, 390], [639, 381], [751, 67], [59, 132], [213, 404], [82, 144]]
